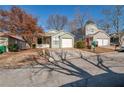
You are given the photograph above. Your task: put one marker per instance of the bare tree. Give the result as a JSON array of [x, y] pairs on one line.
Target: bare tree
[[72, 27], [104, 25], [114, 16], [57, 22], [77, 25], [80, 18]]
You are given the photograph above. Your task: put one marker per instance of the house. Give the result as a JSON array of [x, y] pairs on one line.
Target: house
[[122, 40], [92, 33], [114, 38], [55, 39], [7, 40]]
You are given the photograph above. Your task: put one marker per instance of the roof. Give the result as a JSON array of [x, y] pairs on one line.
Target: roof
[[63, 34], [115, 34], [15, 37], [46, 34], [68, 33], [2, 34], [55, 32], [97, 33], [90, 22]]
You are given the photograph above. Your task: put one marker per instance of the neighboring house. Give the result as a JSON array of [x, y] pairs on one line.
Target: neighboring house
[[122, 40], [55, 39], [115, 40], [7, 39], [92, 33]]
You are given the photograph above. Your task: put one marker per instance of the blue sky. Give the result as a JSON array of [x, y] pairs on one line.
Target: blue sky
[[43, 11]]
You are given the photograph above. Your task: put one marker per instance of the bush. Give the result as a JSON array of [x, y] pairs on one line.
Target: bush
[[89, 47], [33, 45], [13, 48], [2, 49], [80, 44]]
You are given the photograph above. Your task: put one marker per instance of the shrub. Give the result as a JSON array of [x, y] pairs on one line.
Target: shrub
[[33, 45], [2, 49], [80, 44], [89, 47], [13, 48]]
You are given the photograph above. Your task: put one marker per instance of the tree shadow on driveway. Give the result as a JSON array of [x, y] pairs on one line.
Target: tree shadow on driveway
[[109, 79], [64, 66], [101, 80]]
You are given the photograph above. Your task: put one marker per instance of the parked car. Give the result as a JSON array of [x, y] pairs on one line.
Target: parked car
[[121, 48]]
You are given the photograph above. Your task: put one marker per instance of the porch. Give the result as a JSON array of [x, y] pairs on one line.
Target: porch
[[43, 42]]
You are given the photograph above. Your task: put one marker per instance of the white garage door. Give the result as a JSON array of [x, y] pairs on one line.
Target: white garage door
[[67, 43], [102, 42], [99, 42], [105, 42]]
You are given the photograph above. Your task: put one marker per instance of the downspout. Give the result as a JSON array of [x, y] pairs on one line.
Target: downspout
[[60, 42]]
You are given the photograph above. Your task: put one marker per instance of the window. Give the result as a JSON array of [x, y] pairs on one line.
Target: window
[[39, 41], [56, 42], [92, 30]]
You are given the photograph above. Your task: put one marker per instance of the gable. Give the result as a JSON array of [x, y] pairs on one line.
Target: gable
[[63, 34], [66, 36], [101, 35], [90, 29]]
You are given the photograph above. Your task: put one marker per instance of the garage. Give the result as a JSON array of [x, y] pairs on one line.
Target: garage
[[67, 43], [99, 42], [102, 38], [105, 42], [60, 39], [102, 42]]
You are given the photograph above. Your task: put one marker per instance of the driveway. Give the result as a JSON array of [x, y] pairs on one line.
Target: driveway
[[77, 71]]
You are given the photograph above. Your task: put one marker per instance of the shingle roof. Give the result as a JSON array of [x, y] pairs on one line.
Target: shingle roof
[[52, 33], [15, 36], [115, 34], [90, 35], [11, 35], [90, 22]]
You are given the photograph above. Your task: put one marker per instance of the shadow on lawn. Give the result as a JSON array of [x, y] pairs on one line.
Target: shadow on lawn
[[64, 66]]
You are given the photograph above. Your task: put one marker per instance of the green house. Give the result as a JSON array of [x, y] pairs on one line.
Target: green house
[[8, 40]]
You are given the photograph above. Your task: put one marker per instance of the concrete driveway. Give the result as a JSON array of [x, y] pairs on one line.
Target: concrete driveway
[[76, 71]]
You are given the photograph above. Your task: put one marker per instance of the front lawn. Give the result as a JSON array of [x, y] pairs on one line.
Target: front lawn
[[98, 50]]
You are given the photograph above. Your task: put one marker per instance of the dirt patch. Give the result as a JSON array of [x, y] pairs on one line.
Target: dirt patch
[[18, 59], [28, 58], [99, 50]]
